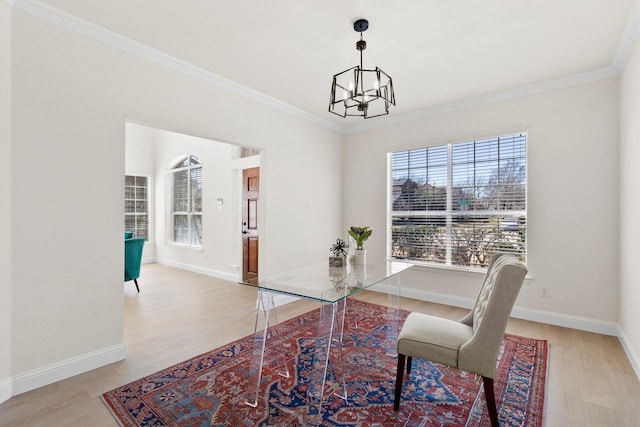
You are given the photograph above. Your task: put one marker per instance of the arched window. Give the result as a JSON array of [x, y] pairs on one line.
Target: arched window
[[186, 202]]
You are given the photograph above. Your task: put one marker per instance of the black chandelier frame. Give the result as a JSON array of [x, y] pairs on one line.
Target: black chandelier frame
[[361, 92]]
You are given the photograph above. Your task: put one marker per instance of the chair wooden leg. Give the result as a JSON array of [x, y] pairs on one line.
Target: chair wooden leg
[[491, 401], [399, 377], [409, 363], [136, 282]]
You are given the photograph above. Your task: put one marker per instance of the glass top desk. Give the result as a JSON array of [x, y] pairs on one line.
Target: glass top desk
[[330, 286]]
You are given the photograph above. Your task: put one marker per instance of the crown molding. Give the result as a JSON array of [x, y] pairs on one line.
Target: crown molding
[[490, 98], [629, 38], [72, 23]]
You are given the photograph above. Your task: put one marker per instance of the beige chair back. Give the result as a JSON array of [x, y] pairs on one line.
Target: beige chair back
[[490, 313]]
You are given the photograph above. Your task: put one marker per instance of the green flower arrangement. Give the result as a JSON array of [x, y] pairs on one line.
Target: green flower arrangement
[[360, 235]]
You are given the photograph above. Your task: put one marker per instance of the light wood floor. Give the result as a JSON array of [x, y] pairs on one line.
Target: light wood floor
[[179, 314]]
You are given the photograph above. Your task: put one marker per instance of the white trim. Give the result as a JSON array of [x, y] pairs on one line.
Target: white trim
[[550, 318], [631, 354], [88, 29], [505, 95], [629, 37], [567, 321], [232, 277], [6, 389], [113, 39], [278, 300], [428, 296], [281, 299], [50, 374]]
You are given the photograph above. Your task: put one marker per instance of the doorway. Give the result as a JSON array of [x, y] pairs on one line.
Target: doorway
[[150, 152], [250, 238]]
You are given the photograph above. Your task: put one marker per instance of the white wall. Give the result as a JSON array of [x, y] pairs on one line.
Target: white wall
[[72, 97], [5, 207], [71, 100], [217, 256], [68, 167], [572, 195], [630, 204]]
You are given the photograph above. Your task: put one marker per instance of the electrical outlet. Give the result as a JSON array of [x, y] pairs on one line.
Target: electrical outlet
[[544, 292]]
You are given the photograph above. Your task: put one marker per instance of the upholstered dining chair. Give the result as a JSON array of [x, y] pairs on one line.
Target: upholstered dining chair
[[471, 344], [133, 259]]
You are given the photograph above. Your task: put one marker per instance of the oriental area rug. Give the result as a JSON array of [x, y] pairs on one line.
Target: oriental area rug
[[209, 390]]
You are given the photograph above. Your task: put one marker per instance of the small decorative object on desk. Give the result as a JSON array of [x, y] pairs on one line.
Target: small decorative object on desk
[[339, 258], [360, 235]]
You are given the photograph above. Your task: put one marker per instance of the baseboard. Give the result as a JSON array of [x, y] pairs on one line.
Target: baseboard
[[567, 321], [631, 354], [557, 319], [50, 374], [430, 296], [6, 389], [200, 270], [280, 299]]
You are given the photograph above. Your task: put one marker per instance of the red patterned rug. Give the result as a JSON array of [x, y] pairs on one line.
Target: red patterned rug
[[208, 390]]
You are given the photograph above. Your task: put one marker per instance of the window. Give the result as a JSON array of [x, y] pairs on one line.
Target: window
[[186, 202], [459, 204], [136, 205]]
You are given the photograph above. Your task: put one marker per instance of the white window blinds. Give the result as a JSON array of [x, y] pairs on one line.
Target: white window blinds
[[459, 204], [136, 205], [186, 203]]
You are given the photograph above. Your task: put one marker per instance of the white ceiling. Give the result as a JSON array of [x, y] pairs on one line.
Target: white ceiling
[[438, 52]]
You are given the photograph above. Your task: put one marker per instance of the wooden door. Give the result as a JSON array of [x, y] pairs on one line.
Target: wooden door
[[250, 197]]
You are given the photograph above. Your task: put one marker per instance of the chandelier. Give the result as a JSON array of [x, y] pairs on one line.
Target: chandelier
[[361, 92]]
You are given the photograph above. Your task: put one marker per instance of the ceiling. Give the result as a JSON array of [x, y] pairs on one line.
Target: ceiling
[[437, 52]]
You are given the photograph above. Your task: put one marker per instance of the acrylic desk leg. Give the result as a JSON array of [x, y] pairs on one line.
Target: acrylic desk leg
[[341, 314], [338, 340], [320, 362], [260, 335], [393, 315]]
